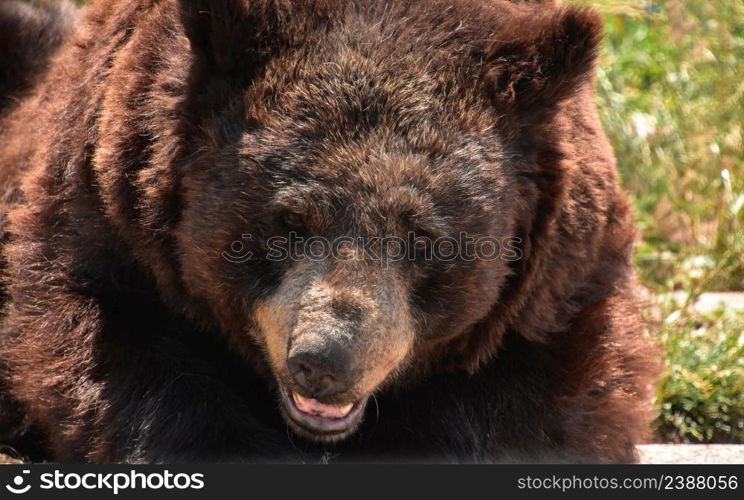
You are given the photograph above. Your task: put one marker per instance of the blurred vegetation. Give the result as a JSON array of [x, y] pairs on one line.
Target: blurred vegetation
[[700, 397], [671, 93]]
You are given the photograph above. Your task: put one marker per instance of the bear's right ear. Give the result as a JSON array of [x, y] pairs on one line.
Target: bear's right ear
[[542, 58]]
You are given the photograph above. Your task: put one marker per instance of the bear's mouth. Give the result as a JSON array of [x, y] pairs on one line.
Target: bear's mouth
[[320, 421]]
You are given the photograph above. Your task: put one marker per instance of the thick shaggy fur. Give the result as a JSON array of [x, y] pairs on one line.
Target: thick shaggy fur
[[164, 129], [29, 33]]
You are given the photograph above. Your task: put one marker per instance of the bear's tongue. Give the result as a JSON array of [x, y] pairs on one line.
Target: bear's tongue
[[315, 407]]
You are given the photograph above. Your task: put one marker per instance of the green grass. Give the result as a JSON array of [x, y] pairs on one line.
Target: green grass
[[700, 397], [671, 93]]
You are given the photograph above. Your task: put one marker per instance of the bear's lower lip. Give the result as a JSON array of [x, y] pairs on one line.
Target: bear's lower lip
[[319, 421]]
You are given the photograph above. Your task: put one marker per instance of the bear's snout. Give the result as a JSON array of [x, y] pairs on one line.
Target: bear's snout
[[324, 395], [334, 335]]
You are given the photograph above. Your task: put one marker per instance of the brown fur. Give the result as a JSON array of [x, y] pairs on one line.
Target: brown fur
[[166, 129], [29, 33]]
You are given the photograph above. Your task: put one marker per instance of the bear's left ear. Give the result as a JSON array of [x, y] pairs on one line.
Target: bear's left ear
[[542, 58]]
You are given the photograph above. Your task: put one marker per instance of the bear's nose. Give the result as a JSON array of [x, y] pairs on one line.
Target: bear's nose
[[321, 370]]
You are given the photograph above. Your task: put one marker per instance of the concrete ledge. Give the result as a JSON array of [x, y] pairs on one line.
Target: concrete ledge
[[691, 454], [650, 454]]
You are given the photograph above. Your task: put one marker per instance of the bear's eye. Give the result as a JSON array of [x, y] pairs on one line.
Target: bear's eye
[[421, 245], [294, 220]]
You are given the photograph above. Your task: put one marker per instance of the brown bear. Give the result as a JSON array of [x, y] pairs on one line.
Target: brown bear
[[252, 230]]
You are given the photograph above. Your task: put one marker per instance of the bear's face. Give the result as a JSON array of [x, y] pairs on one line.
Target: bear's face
[[357, 220], [358, 208]]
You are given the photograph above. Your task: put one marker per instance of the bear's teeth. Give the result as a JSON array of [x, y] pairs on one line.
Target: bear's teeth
[[345, 409], [299, 400]]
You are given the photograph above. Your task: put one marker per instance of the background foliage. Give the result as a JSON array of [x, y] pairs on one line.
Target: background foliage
[[671, 92]]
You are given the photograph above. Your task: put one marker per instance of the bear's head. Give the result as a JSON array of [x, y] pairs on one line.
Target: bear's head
[[362, 182]]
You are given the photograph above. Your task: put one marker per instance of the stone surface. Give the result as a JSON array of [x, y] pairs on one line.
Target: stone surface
[[691, 454], [708, 302], [650, 454]]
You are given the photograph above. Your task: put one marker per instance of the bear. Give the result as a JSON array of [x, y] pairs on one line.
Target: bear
[[171, 169]]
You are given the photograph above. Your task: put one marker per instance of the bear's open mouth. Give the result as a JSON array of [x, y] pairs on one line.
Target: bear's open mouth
[[319, 421]]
